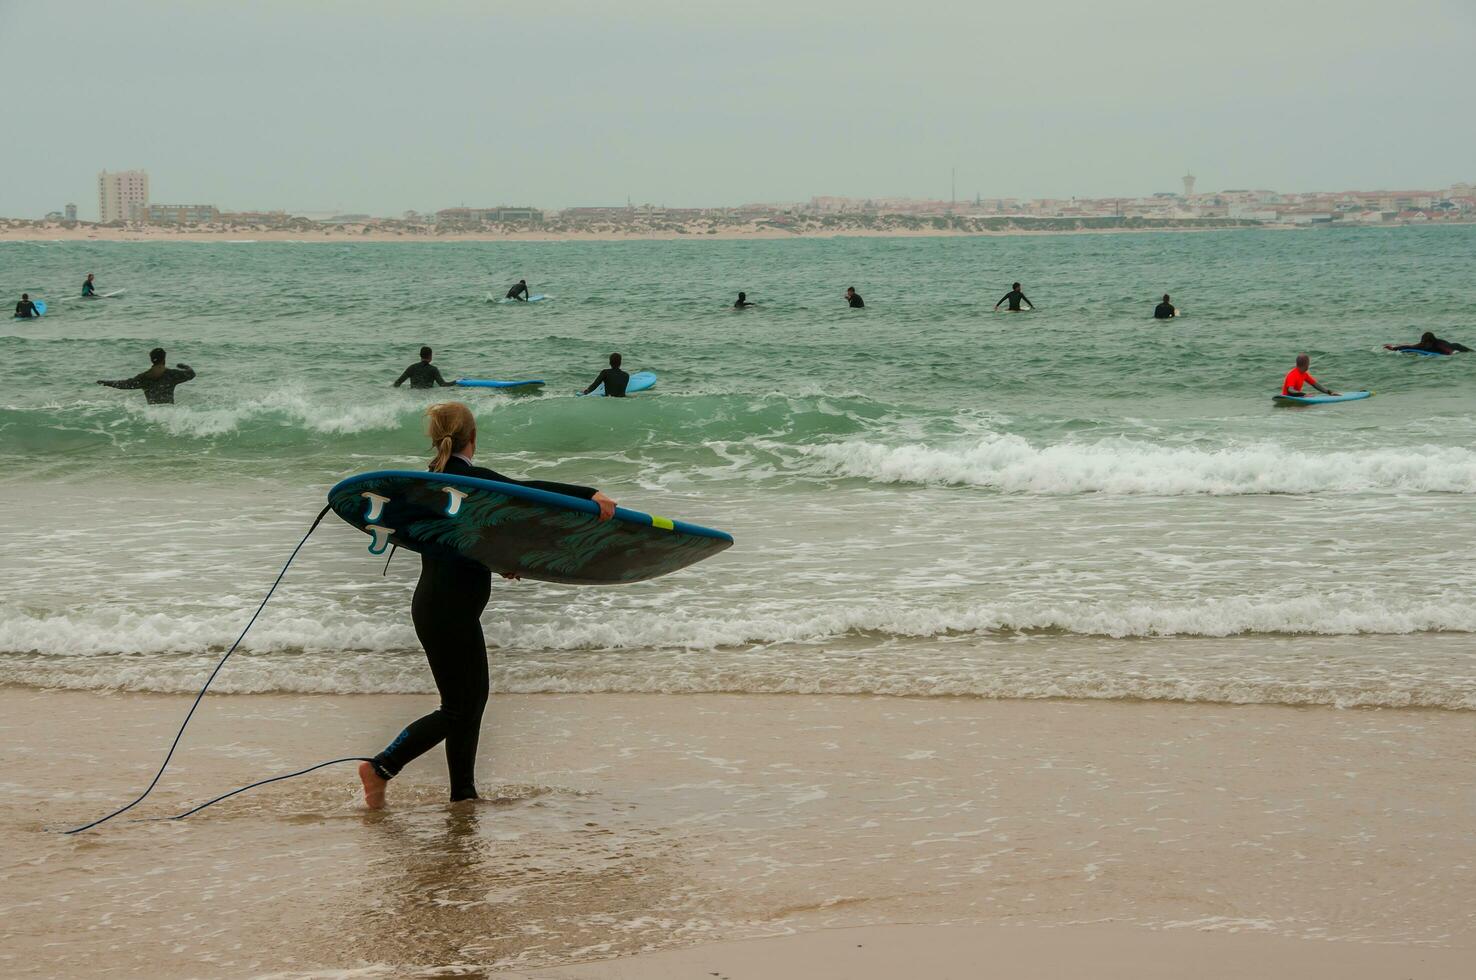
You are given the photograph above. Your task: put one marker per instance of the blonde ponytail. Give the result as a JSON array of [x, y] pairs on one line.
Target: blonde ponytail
[[451, 427]]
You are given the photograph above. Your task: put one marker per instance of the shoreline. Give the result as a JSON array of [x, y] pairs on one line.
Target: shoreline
[[250, 236], [615, 826]]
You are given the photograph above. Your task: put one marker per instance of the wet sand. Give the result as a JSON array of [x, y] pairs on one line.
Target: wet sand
[[1321, 842]]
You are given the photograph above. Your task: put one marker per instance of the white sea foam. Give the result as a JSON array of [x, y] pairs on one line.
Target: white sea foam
[[1015, 465]]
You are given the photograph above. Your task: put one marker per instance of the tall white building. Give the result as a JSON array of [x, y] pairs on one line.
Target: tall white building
[[1188, 185], [122, 196]]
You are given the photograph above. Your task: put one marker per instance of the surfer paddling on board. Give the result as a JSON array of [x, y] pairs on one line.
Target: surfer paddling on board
[[854, 298], [519, 291], [447, 612], [1165, 310], [158, 382], [1298, 376], [742, 303], [25, 309], [1016, 298], [1432, 344], [88, 289], [422, 374], [612, 378]]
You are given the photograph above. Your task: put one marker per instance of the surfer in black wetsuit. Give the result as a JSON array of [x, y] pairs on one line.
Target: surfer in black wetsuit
[[612, 378], [1433, 344], [1016, 298], [854, 298], [158, 382], [520, 291], [422, 374], [88, 289], [447, 612], [743, 302], [25, 309], [1165, 310]]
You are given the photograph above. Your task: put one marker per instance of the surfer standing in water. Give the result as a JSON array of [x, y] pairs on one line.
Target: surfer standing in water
[[158, 382], [853, 299], [1016, 298], [423, 374], [612, 378], [88, 288], [447, 612]]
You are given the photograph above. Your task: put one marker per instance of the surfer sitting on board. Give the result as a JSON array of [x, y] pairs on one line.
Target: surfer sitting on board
[[1433, 344], [854, 298], [447, 612], [423, 374], [743, 302], [25, 309], [1298, 376], [88, 289], [1016, 298], [612, 378], [520, 291], [1165, 310], [158, 382]]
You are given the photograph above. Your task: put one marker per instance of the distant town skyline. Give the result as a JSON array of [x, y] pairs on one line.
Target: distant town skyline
[[321, 107]]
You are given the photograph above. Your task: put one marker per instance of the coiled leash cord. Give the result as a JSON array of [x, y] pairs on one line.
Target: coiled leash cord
[[191, 713]]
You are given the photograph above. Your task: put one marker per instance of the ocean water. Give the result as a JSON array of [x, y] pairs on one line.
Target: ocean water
[[929, 498]]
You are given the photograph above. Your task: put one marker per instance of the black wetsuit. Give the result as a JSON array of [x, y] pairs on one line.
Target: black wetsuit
[[447, 612], [1437, 346], [422, 374], [742, 304], [158, 382], [88, 289], [1015, 297], [1164, 311], [614, 381], [856, 301], [520, 290], [25, 309]]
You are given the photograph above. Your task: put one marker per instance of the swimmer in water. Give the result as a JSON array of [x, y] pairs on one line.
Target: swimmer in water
[[25, 309], [423, 374], [1433, 344], [854, 298], [158, 382], [519, 292], [88, 289], [743, 302], [1298, 376], [1165, 310], [447, 612], [612, 378], [1016, 298]]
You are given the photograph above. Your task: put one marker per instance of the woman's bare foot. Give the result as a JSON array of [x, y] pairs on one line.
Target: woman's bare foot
[[374, 786]]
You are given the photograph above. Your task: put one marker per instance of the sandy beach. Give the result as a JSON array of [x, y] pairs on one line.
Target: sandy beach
[[1044, 838]]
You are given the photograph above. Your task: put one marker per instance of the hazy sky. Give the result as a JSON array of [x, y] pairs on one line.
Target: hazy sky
[[383, 106]]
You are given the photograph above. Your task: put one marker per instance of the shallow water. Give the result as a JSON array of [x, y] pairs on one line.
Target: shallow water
[[928, 498]]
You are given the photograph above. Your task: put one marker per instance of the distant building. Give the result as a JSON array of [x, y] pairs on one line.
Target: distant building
[[479, 216], [71, 212], [181, 214], [1188, 185], [122, 196], [255, 217]]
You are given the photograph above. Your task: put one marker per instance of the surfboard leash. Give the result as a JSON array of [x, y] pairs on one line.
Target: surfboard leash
[[198, 697]]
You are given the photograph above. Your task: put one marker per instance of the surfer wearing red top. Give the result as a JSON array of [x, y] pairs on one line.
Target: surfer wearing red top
[[1298, 376]]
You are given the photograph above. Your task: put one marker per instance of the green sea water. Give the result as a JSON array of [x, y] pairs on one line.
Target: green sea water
[[929, 497]]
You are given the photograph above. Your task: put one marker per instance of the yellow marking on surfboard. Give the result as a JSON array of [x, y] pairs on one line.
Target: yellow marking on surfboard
[[662, 522]]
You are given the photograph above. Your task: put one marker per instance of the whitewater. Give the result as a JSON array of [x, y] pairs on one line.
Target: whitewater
[[930, 499]]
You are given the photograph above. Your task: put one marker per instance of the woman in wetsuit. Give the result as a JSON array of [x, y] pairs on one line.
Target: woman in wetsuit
[[447, 612], [1431, 344]]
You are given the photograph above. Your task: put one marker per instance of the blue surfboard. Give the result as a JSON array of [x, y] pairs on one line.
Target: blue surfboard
[[535, 298], [1347, 396], [640, 381], [1423, 353], [513, 529], [479, 383]]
